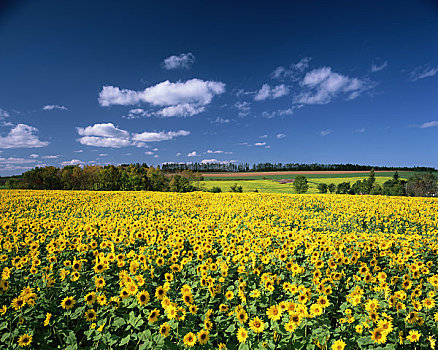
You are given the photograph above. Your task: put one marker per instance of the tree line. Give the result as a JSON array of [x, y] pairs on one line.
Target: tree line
[[418, 185], [126, 177], [245, 167]]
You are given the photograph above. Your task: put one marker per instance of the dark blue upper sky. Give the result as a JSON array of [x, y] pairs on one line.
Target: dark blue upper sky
[[97, 82]]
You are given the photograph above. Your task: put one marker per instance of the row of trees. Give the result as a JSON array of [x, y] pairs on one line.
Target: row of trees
[[419, 185], [132, 177], [231, 167]]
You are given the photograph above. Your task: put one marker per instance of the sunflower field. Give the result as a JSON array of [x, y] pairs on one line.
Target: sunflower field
[[152, 270]]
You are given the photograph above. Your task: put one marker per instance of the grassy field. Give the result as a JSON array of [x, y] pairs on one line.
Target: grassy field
[[346, 176], [271, 185]]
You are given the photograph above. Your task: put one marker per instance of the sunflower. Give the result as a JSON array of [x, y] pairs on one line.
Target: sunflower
[[242, 334], [257, 325], [242, 315], [274, 313], [68, 302], [18, 303], [316, 310], [47, 320], [413, 336], [203, 336], [323, 301], [193, 309], [189, 339], [24, 340], [229, 295], [143, 297], [164, 329], [153, 315], [90, 315], [378, 335], [160, 293], [338, 345], [90, 298]]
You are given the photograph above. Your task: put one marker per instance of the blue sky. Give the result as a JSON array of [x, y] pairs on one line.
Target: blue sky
[[115, 82]]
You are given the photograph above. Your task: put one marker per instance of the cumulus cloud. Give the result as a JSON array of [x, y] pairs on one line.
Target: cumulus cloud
[[73, 162], [322, 85], [22, 136], [260, 144], [280, 136], [136, 113], [51, 156], [325, 132], [178, 99], [51, 107], [217, 152], [243, 108], [193, 154], [33, 156], [377, 67], [107, 135], [272, 93], [422, 72], [293, 71], [429, 124], [3, 114], [181, 61], [149, 153], [14, 160], [213, 160], [158, 136], [361, 130], [220, 120]]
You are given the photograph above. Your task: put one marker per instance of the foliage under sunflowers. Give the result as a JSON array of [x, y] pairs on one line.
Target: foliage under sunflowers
[[141, 270]]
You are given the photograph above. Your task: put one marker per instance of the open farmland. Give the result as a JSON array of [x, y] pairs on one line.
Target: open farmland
[[269, 182], [148, 270]]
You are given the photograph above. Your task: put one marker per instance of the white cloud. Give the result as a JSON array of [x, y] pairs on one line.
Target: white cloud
[[322, 85], [181, 110], [184, 60], [33, 156], [78, 151], [156, 156], [136, 113], [209, 161], [280, 136], [51, 107], [178, 154], [325, 132], [220, 120], [293, 71], [422, 72], [260, 144], [107, 135], [149, 153], [51, 156], [272, 93], [3, 114], [103, 155], [179, 99], [193, 154], [22, 136], [429, 124], [14, 160], [378, 67], [264, 136], [243, 108], [361, 130], [72, 162], [112, 142], [155, 149], [217, 152], [103, 130], [159, 136]]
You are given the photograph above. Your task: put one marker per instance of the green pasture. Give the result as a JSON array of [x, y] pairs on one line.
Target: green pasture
[[272, 186], [346, 176]]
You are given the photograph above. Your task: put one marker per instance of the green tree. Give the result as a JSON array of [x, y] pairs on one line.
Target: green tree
[[343, 188], [332, 188], [236, 188], [300, 184], [322, 188]]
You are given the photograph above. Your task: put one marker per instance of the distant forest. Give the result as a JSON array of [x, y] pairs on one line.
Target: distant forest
[[231, 167]]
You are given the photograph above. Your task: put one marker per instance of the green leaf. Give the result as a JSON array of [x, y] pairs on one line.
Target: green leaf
[[243, 346], [118, 322], [125, 340], [231, 328]]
